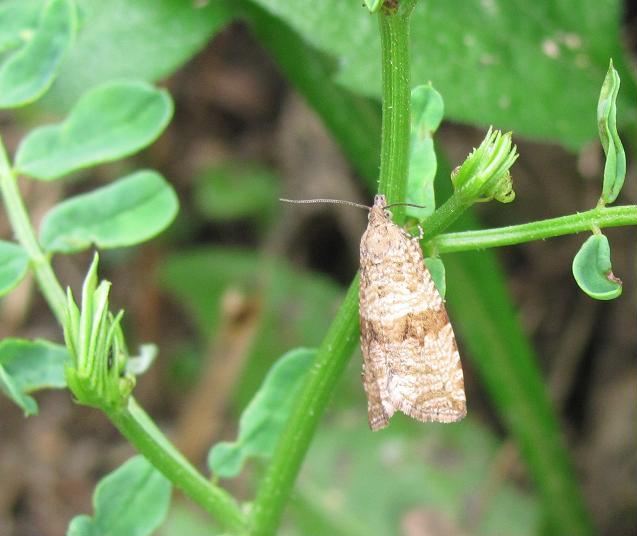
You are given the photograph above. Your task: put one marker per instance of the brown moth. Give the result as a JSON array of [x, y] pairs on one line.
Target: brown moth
[[410, 358]]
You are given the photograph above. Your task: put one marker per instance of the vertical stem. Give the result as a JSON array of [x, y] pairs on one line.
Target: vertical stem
[[333, 355], [394, 152], [19, 219], [341, 339]]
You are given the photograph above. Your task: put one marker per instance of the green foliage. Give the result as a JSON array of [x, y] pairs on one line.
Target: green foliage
[[593, 271], [109, 122], [484, 175], [96, 373], [35, 49], [380, 479], [129, 211], [230, 191], [504, 64], [427, 109], [263, 419], [27, 366], [437, 270], [615, 167], [141, 39], [14, 263], [132, 500]]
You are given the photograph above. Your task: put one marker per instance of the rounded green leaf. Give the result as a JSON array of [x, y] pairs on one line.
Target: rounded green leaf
[[30, 70], [593, 272], [127, 212], [263, 419], [109, 122], [142, 39], [27, 366], [132, 500], [14, 262], [615, 166]]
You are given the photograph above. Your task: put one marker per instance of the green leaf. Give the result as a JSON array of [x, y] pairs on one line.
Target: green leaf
[[31, 68], [615, 167], [14, 263], [495, 63], [437, 270], [132, 501], [142, 39], [27, 366], [109, 122], [127, 212], [427, 109], [18, 22], [262, 421], [229, 191], [592, 269]]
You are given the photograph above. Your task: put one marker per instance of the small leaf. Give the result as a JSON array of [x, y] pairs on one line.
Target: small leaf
[[9, 387], [14, 262], [592, 269], [263, 419], [31, 69], [427, 109], [109, 122], [437, 270], [129, 211], [27, 366], [615, 167], [132, 500]]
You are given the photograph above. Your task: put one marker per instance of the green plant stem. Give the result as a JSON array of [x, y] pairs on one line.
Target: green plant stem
[[332, 357], [538, 230], [394, 144], [342, 337], [19, 219], [133, 422], [136, 426]]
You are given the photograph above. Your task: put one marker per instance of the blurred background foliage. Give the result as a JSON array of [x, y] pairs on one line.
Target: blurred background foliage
[[275, 97]]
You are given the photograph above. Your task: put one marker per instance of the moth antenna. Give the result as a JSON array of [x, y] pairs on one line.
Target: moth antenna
[[332, 201], [405, 205]]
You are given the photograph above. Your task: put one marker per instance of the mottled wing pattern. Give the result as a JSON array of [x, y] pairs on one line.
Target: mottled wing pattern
[[411, 362]]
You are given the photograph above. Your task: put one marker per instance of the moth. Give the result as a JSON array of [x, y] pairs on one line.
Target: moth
[[410, 357]]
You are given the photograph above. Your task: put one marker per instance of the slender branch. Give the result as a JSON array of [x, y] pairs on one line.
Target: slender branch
[[136, 426], [537, 230], [19, 219]]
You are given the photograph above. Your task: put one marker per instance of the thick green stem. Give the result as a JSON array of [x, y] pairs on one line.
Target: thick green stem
[[394, 145], [19, 219], [342, 337], [332, 357], [136, 426], [537, 230]]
